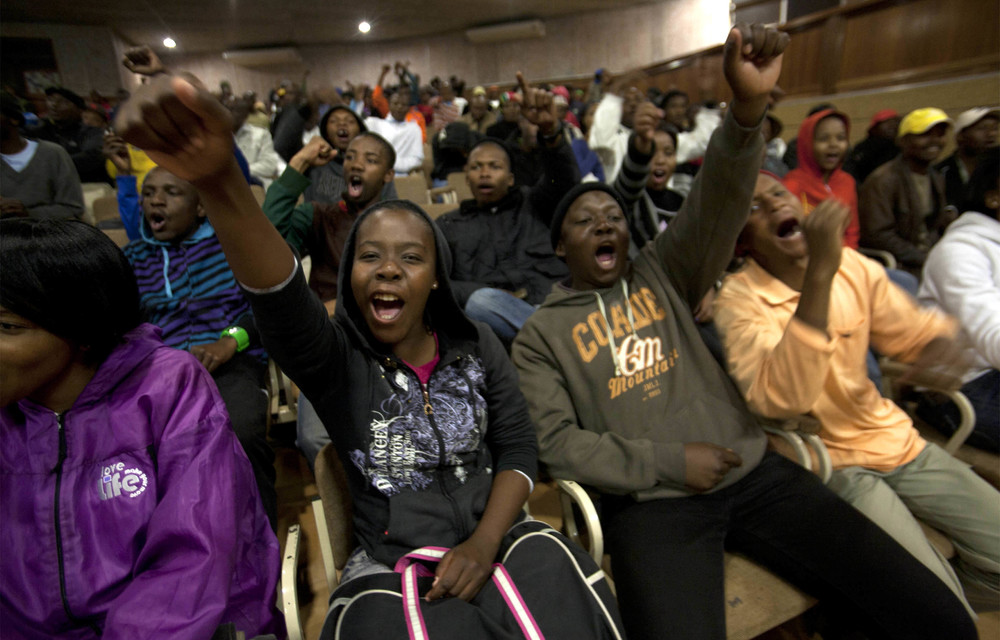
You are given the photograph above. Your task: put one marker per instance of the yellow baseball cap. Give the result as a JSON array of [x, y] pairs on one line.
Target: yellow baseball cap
[[921, 120]]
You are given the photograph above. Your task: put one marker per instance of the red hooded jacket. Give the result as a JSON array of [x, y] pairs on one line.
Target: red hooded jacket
[[807, 180]]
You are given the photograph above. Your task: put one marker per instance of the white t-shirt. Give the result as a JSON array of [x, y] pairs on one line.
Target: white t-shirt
[[18, 161]]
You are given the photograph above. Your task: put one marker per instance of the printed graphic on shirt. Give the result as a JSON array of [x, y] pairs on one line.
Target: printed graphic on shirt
[[640, 360], [404, 448], [116, 481]]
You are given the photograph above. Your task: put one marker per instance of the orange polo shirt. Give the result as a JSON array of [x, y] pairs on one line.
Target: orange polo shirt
[[785, 367]]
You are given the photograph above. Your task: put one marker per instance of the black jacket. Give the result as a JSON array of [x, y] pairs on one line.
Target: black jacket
[[869, 154], [954, 186], [416, 478], [506, 245]]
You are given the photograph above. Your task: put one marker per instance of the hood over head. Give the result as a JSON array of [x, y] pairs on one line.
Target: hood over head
[[807, 132], [330, 112], [443, 313]]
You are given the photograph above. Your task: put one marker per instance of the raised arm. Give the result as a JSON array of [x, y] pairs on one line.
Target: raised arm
[[699, 243], [379, 101], [410, 79], [559, 168], [294, 221], [634, 172], [129, 209]]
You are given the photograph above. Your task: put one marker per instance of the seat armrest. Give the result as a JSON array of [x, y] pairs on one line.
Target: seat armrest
[[570, 493], [289, 586]]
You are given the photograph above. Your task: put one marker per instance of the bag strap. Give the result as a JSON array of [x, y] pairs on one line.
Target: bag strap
[[516, 603], [410, 566]]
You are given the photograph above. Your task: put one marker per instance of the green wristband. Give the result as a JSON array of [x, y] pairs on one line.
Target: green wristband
[[240, 335]]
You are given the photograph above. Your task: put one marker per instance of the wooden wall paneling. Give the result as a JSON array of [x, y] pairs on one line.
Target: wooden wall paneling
[[939, 71], [953, 95], [922, 34], [801, 68], [832, 39], [876, 43]]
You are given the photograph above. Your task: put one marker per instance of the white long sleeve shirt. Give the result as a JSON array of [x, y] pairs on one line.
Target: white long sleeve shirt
[[405, 138], [608, 137], [258, 148]]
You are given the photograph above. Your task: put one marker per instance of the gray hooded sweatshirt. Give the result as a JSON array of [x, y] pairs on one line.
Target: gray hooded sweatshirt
[[616, 388]]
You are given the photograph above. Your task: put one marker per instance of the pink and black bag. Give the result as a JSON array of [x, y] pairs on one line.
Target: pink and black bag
[[542, 587]]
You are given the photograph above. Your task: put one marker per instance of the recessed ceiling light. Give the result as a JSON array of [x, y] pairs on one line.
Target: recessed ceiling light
[[364, 27], [169, 43]]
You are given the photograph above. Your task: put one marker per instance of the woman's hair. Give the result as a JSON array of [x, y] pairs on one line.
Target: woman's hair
[[583, 112], [670, 130], [982, 181], [70, 279]]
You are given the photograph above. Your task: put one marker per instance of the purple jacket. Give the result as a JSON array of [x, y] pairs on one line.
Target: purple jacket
[[135, 513]]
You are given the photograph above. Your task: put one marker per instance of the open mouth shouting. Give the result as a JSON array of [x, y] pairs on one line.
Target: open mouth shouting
[[659, 176], [789, 229], [386, 307], [157, 222], [606, 256], [355, 186]]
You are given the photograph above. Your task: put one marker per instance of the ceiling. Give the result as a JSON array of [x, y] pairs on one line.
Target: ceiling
[[214, 25]]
